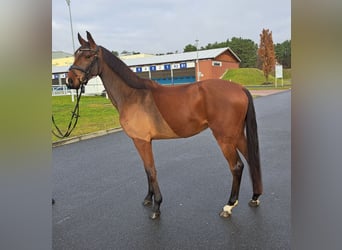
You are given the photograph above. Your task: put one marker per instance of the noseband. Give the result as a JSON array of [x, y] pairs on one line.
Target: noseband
[[87, 70]]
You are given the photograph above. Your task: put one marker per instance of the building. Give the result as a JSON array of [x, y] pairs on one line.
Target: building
[[182, 67], [60, 58], [59, 74], [167, 69]]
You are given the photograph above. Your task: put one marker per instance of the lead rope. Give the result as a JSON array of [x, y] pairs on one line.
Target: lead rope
[[73, 120]]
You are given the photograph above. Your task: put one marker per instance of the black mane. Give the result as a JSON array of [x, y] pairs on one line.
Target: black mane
[[124, 72]]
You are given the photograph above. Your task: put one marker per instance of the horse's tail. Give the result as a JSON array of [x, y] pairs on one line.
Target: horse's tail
[[253, 146]]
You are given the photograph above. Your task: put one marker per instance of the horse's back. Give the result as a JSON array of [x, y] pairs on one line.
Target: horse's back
[[221, 95]]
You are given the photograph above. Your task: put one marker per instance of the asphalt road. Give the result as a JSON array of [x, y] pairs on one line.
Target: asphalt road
[[99, 185]]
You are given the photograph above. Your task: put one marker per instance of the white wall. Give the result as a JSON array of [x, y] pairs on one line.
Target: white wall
[[94, 86]]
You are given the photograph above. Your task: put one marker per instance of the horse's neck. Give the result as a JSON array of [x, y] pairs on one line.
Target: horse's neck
[[118, 91]]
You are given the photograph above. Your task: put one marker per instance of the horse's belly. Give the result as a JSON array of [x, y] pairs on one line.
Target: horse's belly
[[182, 108], [146, 126], [186, 123]]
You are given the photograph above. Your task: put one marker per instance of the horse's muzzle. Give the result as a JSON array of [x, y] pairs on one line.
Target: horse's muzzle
[[69, 82]]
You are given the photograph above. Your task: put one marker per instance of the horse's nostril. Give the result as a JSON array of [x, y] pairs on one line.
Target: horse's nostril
[[69, 82]]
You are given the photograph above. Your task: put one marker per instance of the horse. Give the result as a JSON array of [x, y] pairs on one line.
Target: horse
[[150, 111]]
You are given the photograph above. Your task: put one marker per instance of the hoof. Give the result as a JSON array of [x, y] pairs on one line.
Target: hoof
[[147, 203], [154, 215], [254, 203], [53, 201], [224, 214], [227, 210]]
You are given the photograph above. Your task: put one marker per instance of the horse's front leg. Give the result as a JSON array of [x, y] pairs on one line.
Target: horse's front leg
[[148, 199], [145, 151]]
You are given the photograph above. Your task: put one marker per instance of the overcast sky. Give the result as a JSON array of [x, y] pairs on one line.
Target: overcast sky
[[160, 26]]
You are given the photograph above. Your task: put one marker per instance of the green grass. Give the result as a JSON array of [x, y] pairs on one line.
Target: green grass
[[252, 77], [96, 113]]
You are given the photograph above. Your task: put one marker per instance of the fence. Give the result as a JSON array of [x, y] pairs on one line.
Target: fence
[[58, 90]]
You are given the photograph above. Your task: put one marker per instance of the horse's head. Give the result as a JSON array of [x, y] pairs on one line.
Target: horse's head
[[86, 63]]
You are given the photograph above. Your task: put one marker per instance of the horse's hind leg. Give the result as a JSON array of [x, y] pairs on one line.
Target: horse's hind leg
[[242, 146], [236, 168], [145, 151]]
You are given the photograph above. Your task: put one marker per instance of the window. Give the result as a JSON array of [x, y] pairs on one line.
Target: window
[[216, 63]]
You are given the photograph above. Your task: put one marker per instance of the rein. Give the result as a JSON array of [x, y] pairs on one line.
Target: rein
[[73, 120], [75, 113]]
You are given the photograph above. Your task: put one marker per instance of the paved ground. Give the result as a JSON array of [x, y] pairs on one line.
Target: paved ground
[[99, 185]]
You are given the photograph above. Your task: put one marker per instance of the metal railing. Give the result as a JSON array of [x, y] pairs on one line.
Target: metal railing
[[58, 90]]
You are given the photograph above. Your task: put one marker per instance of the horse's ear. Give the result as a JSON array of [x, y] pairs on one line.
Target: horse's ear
[[91, 41], [81, 40]]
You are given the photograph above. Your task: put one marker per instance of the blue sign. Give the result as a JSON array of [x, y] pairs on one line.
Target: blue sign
[[167, 67], [153, 68], [183, 65], [138, 69]]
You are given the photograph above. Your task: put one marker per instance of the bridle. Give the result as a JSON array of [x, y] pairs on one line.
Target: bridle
[[87, 70], [75, 114]]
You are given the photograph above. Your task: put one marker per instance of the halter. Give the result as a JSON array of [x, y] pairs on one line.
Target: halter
[[87, 70]]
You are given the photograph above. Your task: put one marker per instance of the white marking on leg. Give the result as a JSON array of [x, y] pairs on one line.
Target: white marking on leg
[[255, 202], [228, 208]]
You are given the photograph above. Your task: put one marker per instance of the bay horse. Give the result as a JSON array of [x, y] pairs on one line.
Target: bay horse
[[150, 111]]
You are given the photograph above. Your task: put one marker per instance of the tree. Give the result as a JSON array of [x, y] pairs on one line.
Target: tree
[[266, 52], [216, 45], [189, 48], [246, 50], [283, 53]]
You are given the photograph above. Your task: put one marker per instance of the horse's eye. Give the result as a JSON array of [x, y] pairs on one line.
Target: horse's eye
[[88, 56]]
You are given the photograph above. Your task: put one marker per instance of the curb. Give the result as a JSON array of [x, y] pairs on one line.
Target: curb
[[85, 137], [267, 92]]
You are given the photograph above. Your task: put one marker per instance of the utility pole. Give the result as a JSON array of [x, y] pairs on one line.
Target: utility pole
[[198, 73], [72, 30], [73, 42]]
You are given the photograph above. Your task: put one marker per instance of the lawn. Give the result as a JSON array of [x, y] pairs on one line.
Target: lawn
[[254, 78], [96, 113]]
